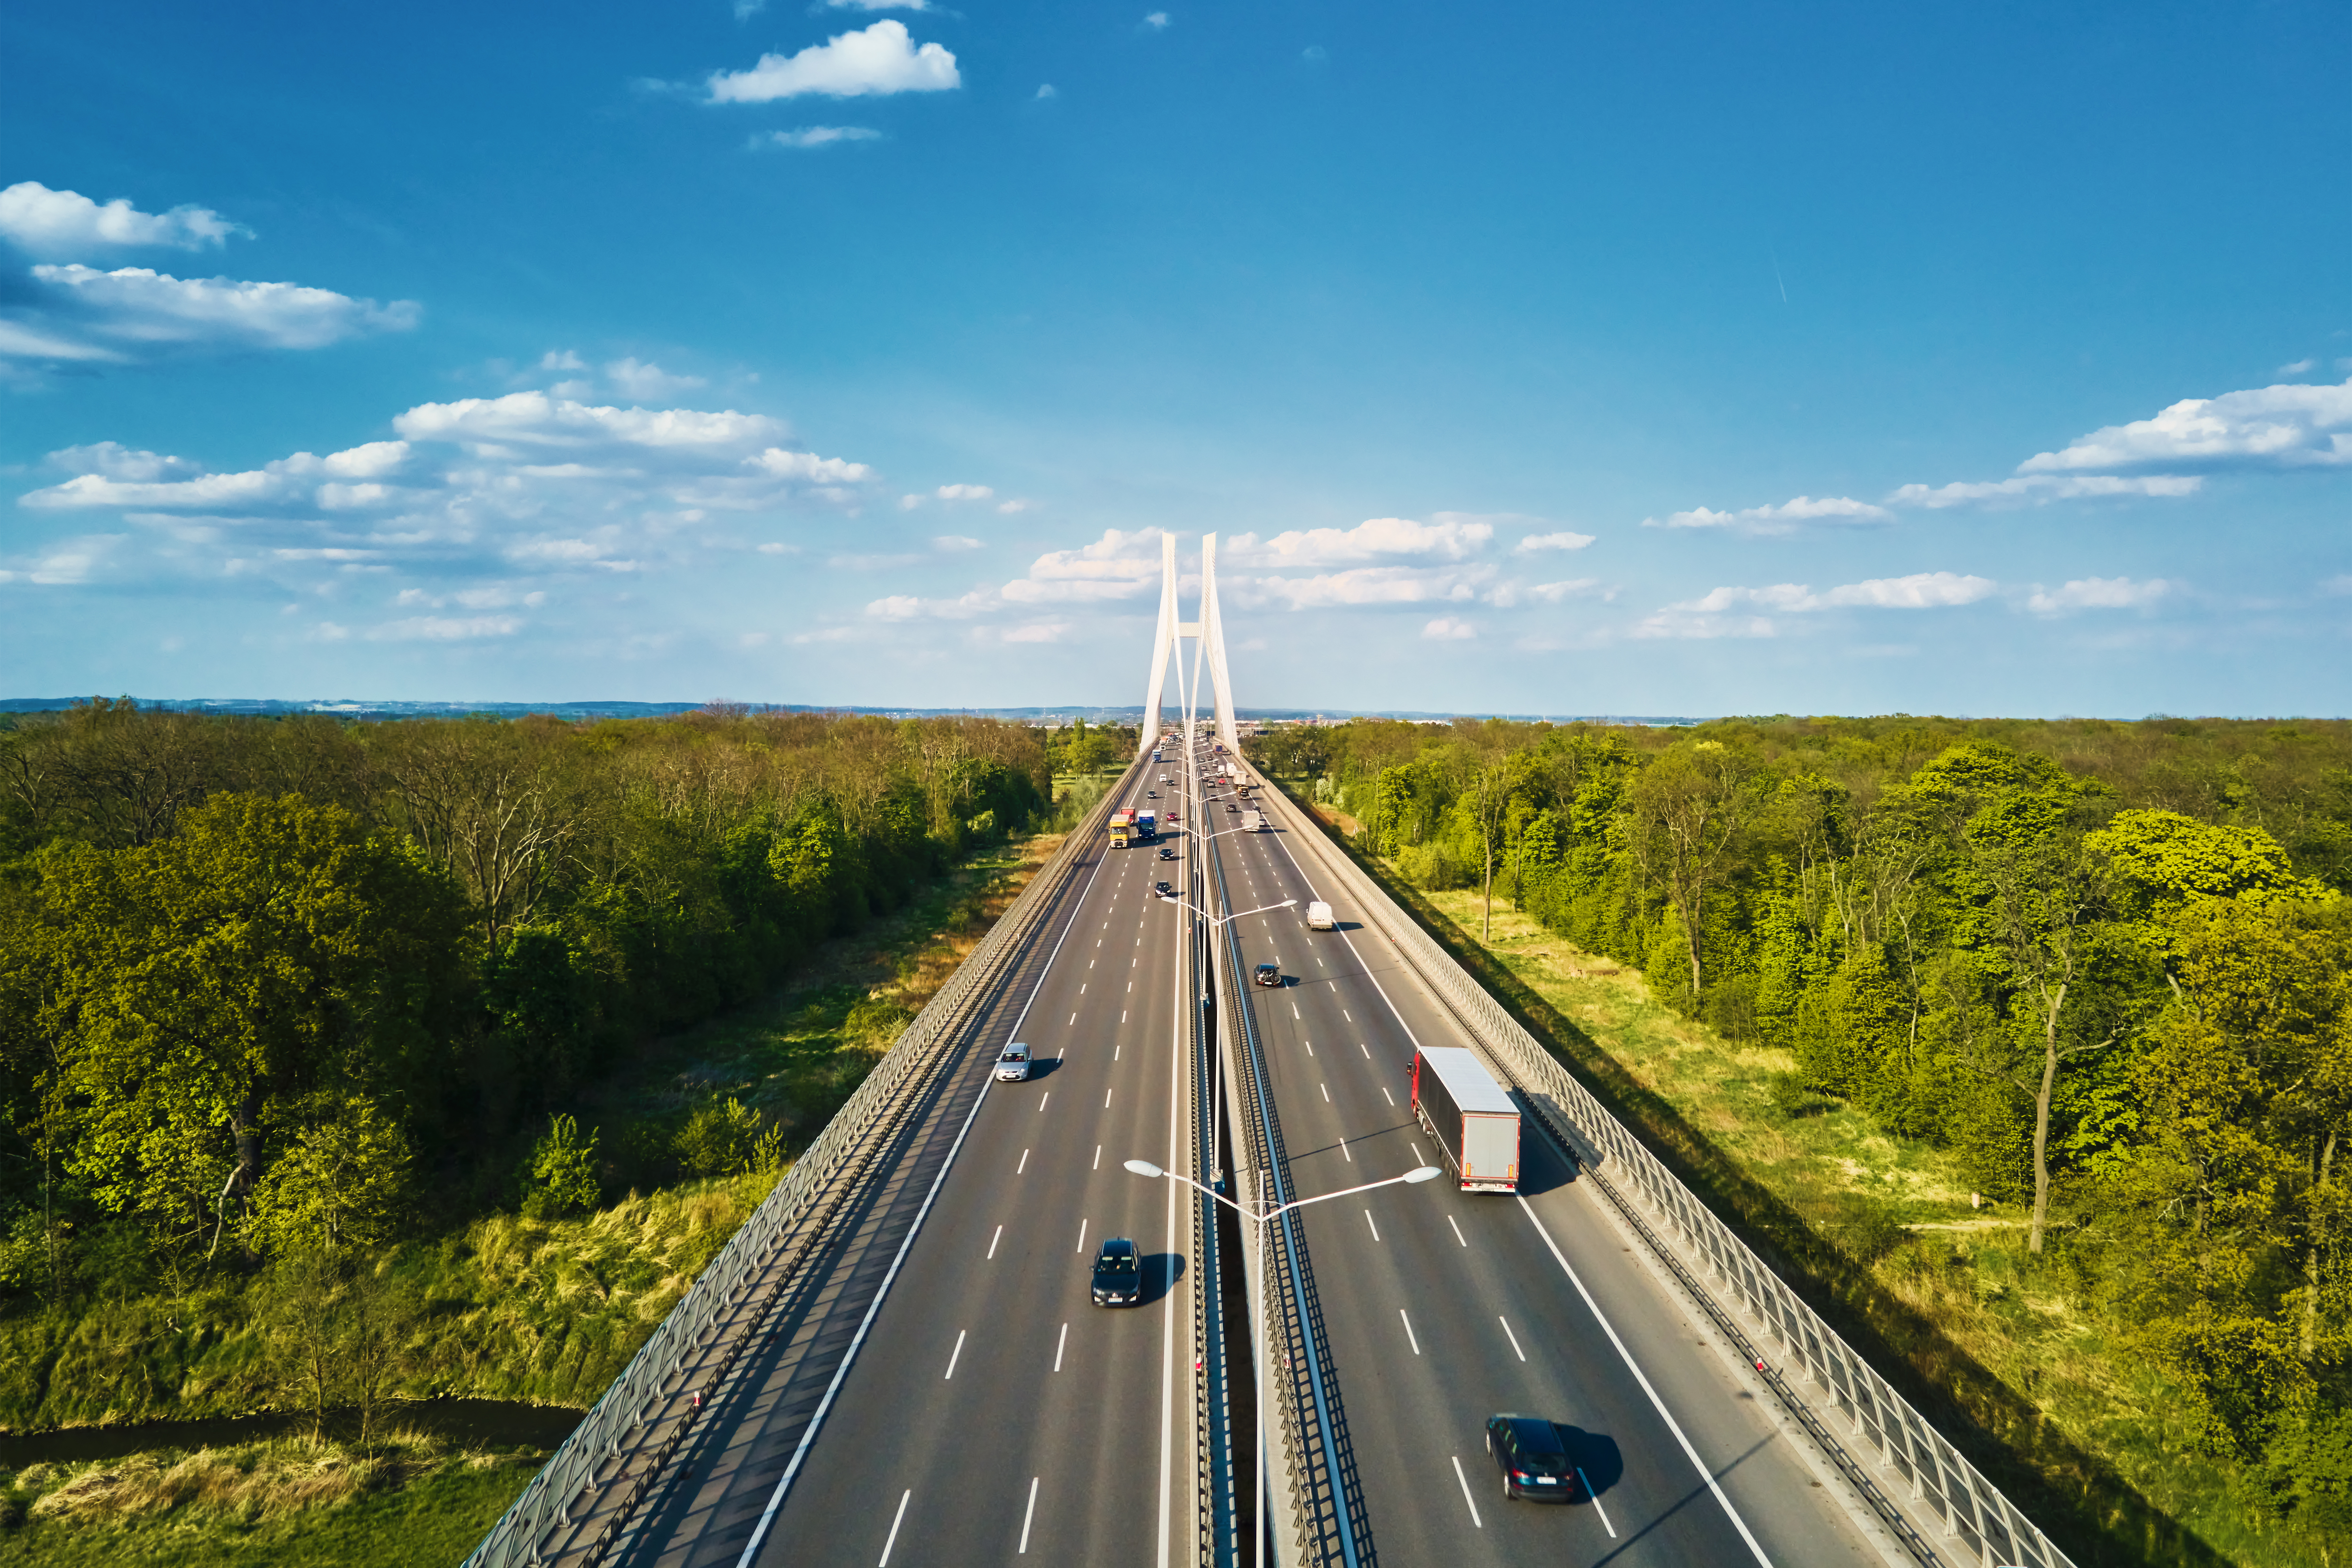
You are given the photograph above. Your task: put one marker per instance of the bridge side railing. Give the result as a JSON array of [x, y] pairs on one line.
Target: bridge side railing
[[1836, 1388]]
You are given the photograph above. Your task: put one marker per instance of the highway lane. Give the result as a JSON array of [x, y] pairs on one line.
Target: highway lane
[[991, 1411], [1443, 1307]]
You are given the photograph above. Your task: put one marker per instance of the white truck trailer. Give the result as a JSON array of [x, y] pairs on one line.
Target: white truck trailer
[[1458, 1103], [1253, 822]]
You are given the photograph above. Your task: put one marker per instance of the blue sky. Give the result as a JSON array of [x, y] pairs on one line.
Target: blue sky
[[1680, 358]]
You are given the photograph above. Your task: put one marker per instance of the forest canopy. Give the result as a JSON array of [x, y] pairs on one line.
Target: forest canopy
[[2108, 965]]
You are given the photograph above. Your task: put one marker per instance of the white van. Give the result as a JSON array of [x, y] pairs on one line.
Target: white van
[[1319, 917]]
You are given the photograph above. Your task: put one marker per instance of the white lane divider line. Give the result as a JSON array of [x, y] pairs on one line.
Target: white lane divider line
[[1310, 1047], [1294, 1009], [1025, 1162], [1642, 1378], [1327, 1092], [1122, 1015], [1343, 1149], [1074, 1017], [1464, 1241], [896, 1520], [1465, 1493], [1411, 1338], [1026, 1515], [1512, 1337], [1098, 1156], [1596, 1503], [1365, 1048], [1418, 1157], [1376, 1232], [1345, 1013], [1386, 1095], [953, 1354], [1082, 1237], [1064, 1340], [994, 1240], [1082, 991], [1114, 1052], [1041, 1104], [1106, 1100]]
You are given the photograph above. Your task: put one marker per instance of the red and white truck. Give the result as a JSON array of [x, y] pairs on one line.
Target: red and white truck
[[1459, 1103]]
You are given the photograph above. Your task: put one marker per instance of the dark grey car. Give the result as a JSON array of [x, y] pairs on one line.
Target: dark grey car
[[1118, 1274], [1532, 1456]]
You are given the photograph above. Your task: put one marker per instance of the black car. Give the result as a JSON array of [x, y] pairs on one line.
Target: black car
[[1532, 1456], [1162, 890], [1118, 1274], [1168, 854], [1266, 975]]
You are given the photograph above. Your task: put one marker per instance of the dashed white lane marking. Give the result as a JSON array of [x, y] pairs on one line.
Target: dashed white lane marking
[[1065, 1340], [1368, 1220], [1073, 1018], [1041, 1104], [1343, 1149], [1106, 1100], [1082, 1237], [1596, 1503], [1115, 1050], [1327, 1092], [1345, 1013], [1641, 1377], [1294, 1009], [1122, 1015], [896, 1520], [994, 1239], [1082, 991], [1098, 1156], [1465, 1493], [1410, 1337], [1309, 1045], [1027, 1514], [1386, 1095], [1365, 1048], [1463, 1239], [1512, 1337], [954, 1354], [1024, 1163]]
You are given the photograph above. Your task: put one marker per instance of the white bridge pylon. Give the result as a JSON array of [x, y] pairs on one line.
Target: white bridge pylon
[[1207, 635]]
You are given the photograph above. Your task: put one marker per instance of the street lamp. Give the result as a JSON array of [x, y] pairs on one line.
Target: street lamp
[[1224, 920], [1257, 1318]]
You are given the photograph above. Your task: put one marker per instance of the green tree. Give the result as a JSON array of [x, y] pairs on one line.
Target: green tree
[[1690, 804], [339, 1187], [562, 1172], [720, 1138]]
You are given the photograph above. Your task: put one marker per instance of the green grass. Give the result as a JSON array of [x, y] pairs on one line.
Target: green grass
[[420, 1503], [1880, 1233]]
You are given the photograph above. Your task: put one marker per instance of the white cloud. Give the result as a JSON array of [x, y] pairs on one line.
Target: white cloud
[[1675, 623], [2300, 367], [955, 541], [879, 6], [1449, 628], [2099, 593], [1010, 506], [441, 628], [1045, 90], [1786, 517], [2340, 584], [645, 380], [2287, 426], [882, 59], [1575, 587], [2037, 489], [1368, 586], [561, 359], [1450, 537], [908, 607], [775, 548], [139, 307], [965, 492], [1157, 21], [44, 222], [816, 136], [1039, 631], [1920, 591], [483, 492], [1535, 542]]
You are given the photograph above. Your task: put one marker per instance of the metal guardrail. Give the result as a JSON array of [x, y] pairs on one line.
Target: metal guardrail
[[1836, 1384], [647, 1406]]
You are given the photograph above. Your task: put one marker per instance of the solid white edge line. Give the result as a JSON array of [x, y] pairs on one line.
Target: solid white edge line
[[874, 1308], [1641, 1377], [1027, 1514], [1595, 1498], [895, 1521], [956, 1354], [1465, 1493]]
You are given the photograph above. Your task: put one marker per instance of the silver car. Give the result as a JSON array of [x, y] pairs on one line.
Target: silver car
[[1012, 1065]]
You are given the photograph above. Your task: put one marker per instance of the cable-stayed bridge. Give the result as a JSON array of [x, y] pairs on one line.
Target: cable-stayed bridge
[[900, 1359]]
